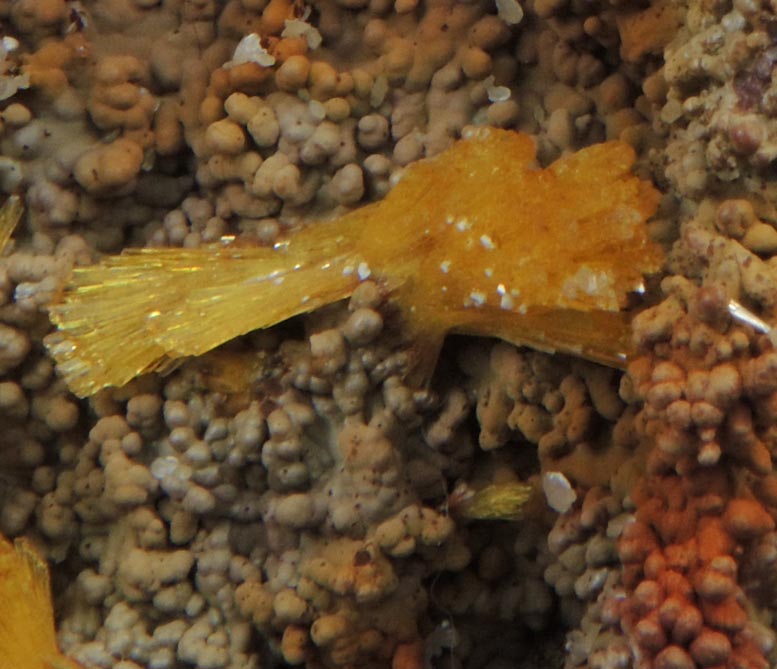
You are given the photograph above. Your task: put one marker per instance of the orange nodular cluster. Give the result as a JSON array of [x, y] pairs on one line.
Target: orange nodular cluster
[[476, 240], [681, 558]]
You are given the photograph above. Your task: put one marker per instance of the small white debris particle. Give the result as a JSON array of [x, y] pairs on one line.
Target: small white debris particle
[[489, 272], [363, 271], [9, 44], [506, 302], [445, 265], [477, 298], [743, 315], [522, 309], [10, 85], [449, 220], [347, 270], [558, 491], [250, 50], [300, 28], [278, 281], [587, 282], [305, 299], [510, 11], [498, 94], [487, 242], [500, 289], [463, 225]]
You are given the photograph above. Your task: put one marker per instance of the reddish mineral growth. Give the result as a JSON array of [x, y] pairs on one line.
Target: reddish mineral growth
[[475, 240], [27, 637]]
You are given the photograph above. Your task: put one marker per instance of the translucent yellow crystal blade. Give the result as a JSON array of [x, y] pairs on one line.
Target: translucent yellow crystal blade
[[498, 501], [10, 215], [27, 637], [477, 239], [137, 312], [600, 336]]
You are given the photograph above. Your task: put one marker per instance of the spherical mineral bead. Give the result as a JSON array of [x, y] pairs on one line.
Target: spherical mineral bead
[[673, 657], [337, 109], [711, 648], [503, 113], [476, 63], [373, 131], [240, 107], [293, 73], [198, 500], [176, 413], [322, 78], [17, 114], [362, 326], [295, 510], [225, 136], [347, 185], [328, 628], [264, 127]]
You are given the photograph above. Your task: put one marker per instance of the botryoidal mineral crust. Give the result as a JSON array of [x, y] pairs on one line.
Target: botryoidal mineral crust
[[288, 499]]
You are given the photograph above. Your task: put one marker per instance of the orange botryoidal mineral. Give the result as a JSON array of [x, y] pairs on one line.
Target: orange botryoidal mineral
[[475, 240]]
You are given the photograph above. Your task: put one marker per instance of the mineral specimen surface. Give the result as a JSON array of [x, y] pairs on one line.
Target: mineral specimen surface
[[476, 239], [295, 496]]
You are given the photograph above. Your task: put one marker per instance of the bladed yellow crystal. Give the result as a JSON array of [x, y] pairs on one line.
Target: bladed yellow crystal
[[475, 240], [498, 501], [27, 635], [10, 215]]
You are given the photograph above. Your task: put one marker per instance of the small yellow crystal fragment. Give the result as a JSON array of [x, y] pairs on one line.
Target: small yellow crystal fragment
[[475, 240], [27, 636], [498, 501], [10, 215]]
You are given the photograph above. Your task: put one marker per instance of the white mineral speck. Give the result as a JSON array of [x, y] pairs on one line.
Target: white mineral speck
[[445, 265], [487, 242], [9, 44], [477, 298], [510, 11], [498, 93], [301, 28], [558, 491], [363, 271], [164, 466], [250, 50]]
